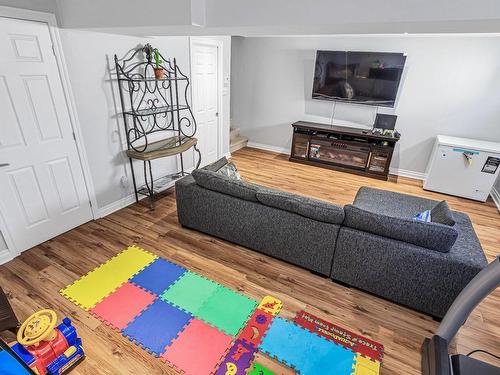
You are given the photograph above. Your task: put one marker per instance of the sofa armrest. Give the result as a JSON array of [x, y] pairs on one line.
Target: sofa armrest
[[414, 276]]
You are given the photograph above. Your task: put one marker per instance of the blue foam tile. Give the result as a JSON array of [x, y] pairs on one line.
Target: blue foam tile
[[157, 326], [326, 358], [158, 276], [282, 341], [305, 351]]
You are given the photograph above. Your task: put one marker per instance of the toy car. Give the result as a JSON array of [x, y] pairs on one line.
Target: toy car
[[45, 348]]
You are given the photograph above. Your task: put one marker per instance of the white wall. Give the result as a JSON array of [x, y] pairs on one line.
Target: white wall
[[450, 86], [90, 61]]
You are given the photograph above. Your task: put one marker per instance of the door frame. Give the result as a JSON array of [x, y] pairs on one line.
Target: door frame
[[207, 41], [50, 20]]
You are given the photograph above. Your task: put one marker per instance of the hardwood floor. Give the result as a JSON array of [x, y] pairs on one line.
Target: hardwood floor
[[32, 280]]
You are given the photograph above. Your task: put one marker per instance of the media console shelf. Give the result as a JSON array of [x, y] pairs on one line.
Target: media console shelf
[[342, 148]]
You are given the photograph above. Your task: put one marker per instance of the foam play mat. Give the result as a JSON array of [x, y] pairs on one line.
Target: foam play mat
[[200, 327]]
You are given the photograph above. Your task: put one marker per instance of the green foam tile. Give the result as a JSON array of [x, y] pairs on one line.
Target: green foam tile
[[190, 292], [227, 310]]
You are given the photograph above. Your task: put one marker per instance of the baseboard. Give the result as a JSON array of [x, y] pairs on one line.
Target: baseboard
[[395, 171], [6, 256], [495, 195], [227, 155], [262, 146], [115, 206], [127, 201], [407, 173]]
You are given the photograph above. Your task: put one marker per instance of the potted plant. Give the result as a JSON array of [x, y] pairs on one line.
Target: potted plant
[[159, 73]]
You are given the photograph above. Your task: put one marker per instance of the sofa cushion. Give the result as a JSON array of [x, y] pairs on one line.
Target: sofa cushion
[[391, 203], [308, 207], [442, 214], [226, 185], [433, 236]]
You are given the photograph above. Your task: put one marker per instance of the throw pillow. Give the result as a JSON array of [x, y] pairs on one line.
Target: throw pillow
[[230, 170], [442, 214], [423, 216]]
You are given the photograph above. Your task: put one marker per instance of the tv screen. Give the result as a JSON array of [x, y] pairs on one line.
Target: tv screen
[[358, 77]]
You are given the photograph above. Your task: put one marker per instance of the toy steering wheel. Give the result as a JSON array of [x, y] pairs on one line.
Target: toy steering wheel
[[37, 327]]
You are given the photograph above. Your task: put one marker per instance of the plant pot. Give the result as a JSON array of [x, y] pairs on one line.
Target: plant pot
[[159, 73]]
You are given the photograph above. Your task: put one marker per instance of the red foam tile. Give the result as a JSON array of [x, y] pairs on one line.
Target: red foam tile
[[198, 349], [123, 305]]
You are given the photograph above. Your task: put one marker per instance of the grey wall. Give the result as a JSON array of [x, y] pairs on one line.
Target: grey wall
[[450, 86], [38, 5]]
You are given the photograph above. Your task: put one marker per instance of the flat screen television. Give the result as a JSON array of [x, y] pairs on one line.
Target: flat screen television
[[358, 77]]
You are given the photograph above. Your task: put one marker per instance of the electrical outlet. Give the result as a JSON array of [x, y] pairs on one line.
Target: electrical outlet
[[124, 182]]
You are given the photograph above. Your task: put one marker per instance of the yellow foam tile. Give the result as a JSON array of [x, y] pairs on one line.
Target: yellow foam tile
[[102, 281], [366, 366]]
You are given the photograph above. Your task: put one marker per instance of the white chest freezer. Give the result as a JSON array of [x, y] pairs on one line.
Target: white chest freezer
[[463, 167]]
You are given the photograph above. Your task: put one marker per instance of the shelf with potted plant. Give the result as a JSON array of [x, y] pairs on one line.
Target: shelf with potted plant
[[157, 114]]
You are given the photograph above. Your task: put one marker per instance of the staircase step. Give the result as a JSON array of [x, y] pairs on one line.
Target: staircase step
[[234, 133], [238, 143]]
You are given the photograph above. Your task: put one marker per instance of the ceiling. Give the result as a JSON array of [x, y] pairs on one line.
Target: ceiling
[[279, 17]]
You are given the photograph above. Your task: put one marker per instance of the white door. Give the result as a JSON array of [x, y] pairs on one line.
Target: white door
[[42, 188], [205, 92]]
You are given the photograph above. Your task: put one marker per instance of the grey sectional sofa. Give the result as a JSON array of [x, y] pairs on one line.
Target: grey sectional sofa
[[373, 244]]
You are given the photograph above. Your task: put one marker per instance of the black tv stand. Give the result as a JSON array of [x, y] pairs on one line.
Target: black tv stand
[[342, 148]]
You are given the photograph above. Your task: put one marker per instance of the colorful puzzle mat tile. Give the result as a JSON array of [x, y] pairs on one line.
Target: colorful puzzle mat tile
[[258, 369], [105, 279], [198, 349], [157, 326], [270, 304], [227, 310], [354, 342], [238, 360], [123, 305], [190, 292], [304, 351], [256, 327], [158, 276], [366, 366]]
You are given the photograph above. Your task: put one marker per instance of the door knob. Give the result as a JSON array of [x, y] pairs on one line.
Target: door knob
[[4, 165]]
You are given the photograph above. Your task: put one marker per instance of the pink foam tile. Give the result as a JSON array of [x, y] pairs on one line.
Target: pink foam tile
[[123, 305], [198, 349]]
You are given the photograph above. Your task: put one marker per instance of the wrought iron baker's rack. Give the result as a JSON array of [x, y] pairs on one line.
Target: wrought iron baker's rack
[[158, 118]]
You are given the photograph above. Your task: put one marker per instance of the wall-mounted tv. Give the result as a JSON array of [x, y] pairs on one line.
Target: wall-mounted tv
[[358, 77]]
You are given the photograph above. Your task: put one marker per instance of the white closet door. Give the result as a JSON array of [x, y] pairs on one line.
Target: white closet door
[[205, 93], [42, 188]]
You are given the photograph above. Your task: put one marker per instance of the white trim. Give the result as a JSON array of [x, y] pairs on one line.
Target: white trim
[[220, 83], [128, 200], [262, 146], [11, 252], [282, 150], [75, 122], [495, 195], [407, 173], [5, 256], [227, 155], [117, 205], [373, 35]]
